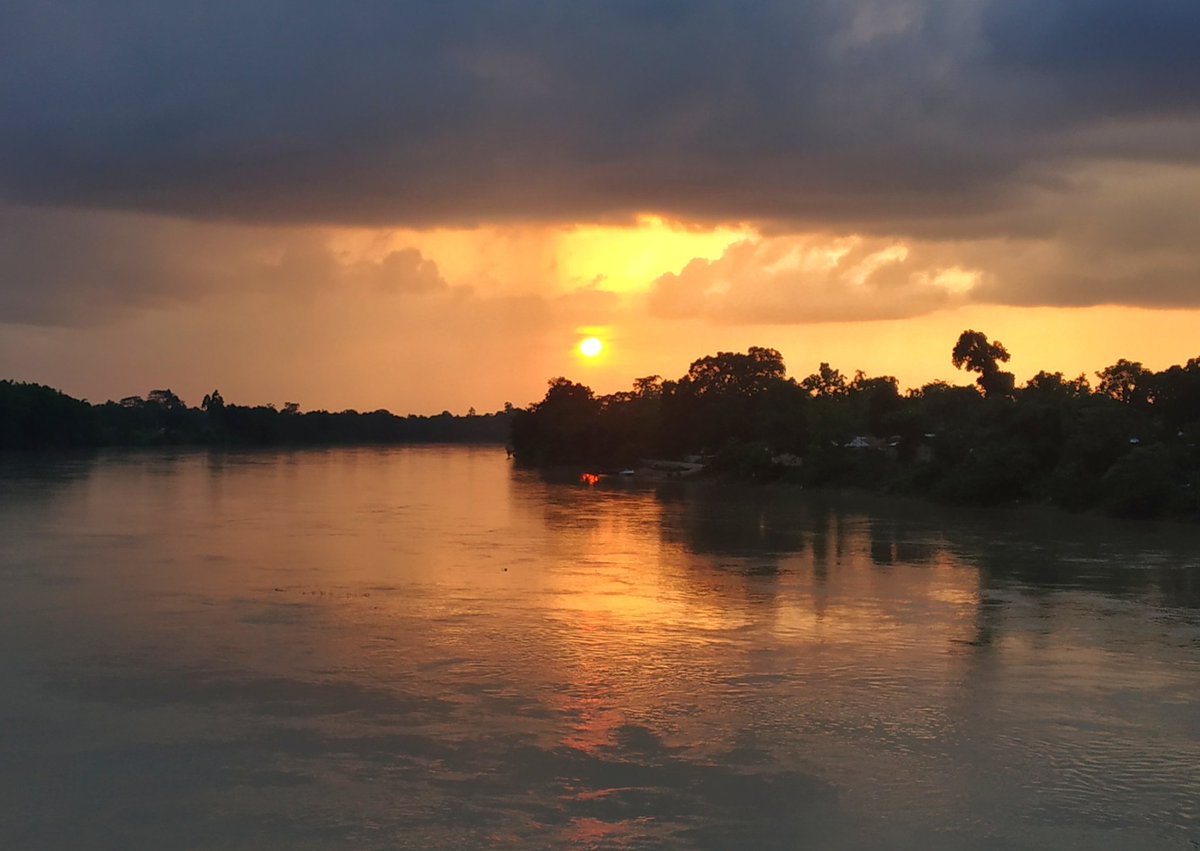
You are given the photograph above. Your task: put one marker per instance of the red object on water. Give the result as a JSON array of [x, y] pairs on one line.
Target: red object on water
[[589, 478]]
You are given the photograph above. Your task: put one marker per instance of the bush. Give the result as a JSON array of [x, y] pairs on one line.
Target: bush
[[1141, 483]]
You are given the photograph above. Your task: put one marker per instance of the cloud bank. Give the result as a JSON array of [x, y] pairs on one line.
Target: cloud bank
[[80, 268], [896, 158], [862, 114]]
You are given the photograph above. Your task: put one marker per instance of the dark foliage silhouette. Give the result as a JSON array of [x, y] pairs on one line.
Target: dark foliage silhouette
[[33, 416], [1127, 447], [974, 353]]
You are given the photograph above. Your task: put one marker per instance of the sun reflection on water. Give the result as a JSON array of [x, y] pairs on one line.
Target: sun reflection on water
[[444, 647]]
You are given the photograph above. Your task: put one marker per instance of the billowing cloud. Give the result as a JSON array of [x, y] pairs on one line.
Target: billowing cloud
[[1126, 235], [811, 279]]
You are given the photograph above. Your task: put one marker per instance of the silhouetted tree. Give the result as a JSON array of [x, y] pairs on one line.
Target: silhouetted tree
[[826, 381], [40, 417], [875, 399], [730, 372], [165, 399], [649, 387], [562, 427], [212, 402], [1126, 381], [974, 353], [1047, 384], [1177, 397], [724, 397], [1131, 448], [33, 416]]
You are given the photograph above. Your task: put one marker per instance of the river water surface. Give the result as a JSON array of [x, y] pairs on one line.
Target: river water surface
[[425, 648]]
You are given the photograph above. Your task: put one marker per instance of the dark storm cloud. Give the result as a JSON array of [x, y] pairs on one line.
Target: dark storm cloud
[[868, 115], [1101, 57]]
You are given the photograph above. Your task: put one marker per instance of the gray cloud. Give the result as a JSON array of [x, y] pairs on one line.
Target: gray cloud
[[1125, 235], [1128, 235], [864, 115], [788, 280], [79, 268], [1054, 148]]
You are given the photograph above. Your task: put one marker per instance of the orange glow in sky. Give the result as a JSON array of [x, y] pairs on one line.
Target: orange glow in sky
[[521, 300], [550, 195], [628, 258]]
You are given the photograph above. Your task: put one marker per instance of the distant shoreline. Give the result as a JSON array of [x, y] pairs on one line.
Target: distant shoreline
[[34, 416]]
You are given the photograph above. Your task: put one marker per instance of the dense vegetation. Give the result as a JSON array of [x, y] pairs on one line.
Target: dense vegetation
[[1127, 446], [33, 416]]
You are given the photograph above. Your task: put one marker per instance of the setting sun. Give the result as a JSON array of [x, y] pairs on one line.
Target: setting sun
[[591, 347]]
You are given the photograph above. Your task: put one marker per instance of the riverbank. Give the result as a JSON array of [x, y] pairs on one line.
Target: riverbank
[[863, 475]]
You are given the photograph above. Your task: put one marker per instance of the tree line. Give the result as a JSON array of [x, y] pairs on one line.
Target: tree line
[[1125, 444], [33, 416]]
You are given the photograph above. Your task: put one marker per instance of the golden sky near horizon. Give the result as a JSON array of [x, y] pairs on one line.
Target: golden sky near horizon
[[429, 206], [520, 300]]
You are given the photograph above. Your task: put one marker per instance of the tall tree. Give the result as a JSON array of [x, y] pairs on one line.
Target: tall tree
[[732, 372], [974, 353], [826, 381], [1126, 381]]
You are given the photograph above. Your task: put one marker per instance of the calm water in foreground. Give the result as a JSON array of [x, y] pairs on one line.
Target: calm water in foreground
[[424, 648]]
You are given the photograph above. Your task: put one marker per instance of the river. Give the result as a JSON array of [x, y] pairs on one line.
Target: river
[[427, 648]]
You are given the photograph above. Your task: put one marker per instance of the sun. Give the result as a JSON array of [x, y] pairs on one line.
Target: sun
[[591, 347]]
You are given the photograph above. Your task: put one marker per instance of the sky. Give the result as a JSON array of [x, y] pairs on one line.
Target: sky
[[426, 206]]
